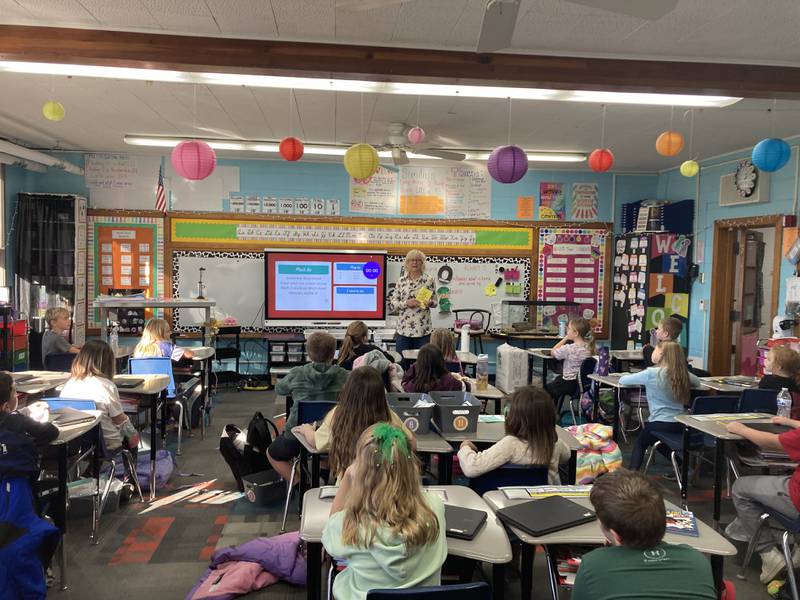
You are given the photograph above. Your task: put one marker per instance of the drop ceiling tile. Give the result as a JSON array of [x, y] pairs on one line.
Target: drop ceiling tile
[[60, 13], [114, 15], [252, 18], [304, 19]]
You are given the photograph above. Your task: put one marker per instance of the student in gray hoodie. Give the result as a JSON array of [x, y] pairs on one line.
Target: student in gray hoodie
[[317, 381]]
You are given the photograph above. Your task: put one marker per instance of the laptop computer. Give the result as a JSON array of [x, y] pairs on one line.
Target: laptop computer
[[127, 383], [463, 523], [769, 427], [539, 517], [22, 377], [64, 416]]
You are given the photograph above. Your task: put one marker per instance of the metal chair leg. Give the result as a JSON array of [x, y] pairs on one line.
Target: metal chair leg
[[787, 556], [130, 467], [651, 454], [751, 546], [673, 457], [289, 494], [180, 426]]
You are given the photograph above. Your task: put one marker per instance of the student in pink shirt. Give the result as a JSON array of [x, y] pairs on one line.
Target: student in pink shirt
[[571, 351]]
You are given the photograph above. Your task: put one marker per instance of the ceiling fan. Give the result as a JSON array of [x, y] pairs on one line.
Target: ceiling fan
[[500, 17], [397, 143]]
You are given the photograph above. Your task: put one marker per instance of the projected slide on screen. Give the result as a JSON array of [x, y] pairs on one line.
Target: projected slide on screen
[[331, 286]]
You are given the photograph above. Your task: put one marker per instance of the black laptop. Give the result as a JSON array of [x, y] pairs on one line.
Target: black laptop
[[127, 383], [539, 517], [65, 416], [768, 427], [22, 377], [463, 523]]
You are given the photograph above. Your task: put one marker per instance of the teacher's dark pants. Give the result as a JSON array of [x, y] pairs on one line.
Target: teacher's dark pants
[[402, 342]]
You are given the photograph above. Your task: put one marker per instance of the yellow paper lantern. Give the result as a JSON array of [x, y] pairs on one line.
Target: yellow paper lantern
[[669, 143], [690, 168], [361, 161], [53, 111]]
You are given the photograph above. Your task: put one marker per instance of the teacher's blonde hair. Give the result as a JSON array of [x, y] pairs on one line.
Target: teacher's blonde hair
[[413, 255]]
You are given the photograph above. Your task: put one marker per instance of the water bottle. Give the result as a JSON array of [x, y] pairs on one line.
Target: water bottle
[[482, 372], [113, 338], [377, 341], [785, 403], [562, 326], [464, 345]]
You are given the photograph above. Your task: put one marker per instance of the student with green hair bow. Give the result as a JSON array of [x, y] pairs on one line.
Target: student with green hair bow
[[387, 528]]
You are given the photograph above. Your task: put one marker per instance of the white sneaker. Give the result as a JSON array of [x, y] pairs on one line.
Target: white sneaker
[[772, 564]]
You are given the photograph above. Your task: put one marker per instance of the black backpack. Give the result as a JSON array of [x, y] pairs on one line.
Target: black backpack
[[260, 433]]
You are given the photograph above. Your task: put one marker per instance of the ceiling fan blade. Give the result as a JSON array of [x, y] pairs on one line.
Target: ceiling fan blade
[[399, 157], [651, 10], [361, 5], [439, 153], [498, 24]]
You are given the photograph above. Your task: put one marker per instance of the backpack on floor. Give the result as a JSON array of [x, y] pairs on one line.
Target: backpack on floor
[[246, 452]]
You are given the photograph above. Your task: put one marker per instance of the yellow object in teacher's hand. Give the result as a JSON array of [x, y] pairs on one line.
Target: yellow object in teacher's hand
[[424, 295]]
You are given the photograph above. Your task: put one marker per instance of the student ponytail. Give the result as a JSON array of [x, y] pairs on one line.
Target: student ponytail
[[584, 329], [354, 337]]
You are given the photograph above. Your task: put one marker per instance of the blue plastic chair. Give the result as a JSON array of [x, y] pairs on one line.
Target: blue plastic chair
[[188, 395], [509, 475], [791, 528], [761, 401], [478, 590]]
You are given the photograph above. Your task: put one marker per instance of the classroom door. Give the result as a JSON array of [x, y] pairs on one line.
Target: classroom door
[[749, 320]]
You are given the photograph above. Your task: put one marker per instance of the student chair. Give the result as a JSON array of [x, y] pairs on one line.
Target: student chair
[[59, 361], [509, 475], [478, 590], [791, 528], [308, 411], [588, 366], [184, 399], [761, 401], [106, 455], [484, 317], [698, 441]]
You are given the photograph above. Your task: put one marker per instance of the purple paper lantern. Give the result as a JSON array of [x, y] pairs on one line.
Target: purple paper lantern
[[507, 164], [193, 159]]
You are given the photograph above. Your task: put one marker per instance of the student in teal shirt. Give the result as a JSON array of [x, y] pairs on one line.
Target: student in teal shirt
[[638, 563], [668, 386], [390, 532]]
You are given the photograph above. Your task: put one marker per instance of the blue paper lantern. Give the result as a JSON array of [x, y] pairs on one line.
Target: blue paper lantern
[[771, 154]]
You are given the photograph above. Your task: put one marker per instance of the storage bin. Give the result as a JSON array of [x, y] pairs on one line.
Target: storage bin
[[418, 420], [455, 412], [264, 488]]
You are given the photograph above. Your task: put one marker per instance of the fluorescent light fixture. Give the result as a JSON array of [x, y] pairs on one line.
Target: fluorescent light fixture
[[329, 150], [361, 86]]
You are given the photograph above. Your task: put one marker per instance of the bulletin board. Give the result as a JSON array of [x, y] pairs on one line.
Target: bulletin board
[[572, 265], [126, 252]]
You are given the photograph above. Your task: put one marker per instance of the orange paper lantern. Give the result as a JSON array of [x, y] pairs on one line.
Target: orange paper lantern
[[669, 143], [291, 149], [601, 160]]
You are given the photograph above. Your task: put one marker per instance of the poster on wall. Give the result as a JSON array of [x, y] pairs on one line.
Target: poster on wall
[[572, 269], [457, 192], [551, 201], [375, 195], [584, 202]]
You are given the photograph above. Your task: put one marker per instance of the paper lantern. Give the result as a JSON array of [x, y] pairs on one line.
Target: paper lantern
[[771, 154], [53, 111], [669, 143], [690, 168], [193, 159], [601, 160], [507, 164], [416, 135], [361, 161], [291, 149]]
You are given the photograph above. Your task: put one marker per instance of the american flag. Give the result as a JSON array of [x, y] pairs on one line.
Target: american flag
[[161, 196]]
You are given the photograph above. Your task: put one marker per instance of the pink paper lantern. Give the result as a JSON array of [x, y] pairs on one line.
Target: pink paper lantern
[[507, 164], [193, 159], [416, 135]]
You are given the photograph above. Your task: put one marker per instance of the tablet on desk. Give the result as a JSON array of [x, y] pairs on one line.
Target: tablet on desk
[[125, 383], [463, 523]]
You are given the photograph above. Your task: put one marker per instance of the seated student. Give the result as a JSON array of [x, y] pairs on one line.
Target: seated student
[[92, 379], [361, 403], [668, 386], [390, 532], [355, 344], [156, 341], [754, 493], [577, 346], [638, 563], [668, 330], [319, 381], [530, 439], [443, 339], [53, 340], [783, 364], [429, 373]]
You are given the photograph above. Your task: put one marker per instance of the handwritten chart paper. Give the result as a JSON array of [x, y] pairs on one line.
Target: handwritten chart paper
[[375, 195], [457, 192], [111, 171]]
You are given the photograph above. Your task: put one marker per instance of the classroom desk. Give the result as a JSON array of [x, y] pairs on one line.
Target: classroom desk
[[612, 380], [490, 545], [490, 393], [544, 355], [203, 355], [151, 388], [717, 430], [718, 384], [42, 382], [490, 433], [708, 542], [107, 304], [66, 434]]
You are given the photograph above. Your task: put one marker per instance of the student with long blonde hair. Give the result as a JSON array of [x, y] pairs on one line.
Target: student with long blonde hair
[[668, 385], [387, 528], [577, 346], [355, 344], [157, 341], [444, 340]]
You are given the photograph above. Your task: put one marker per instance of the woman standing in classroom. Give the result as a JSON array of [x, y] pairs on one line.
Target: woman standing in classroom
[[407, 299]]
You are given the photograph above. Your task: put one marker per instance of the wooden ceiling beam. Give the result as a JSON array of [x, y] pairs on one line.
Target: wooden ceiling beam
[[189, 53]]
